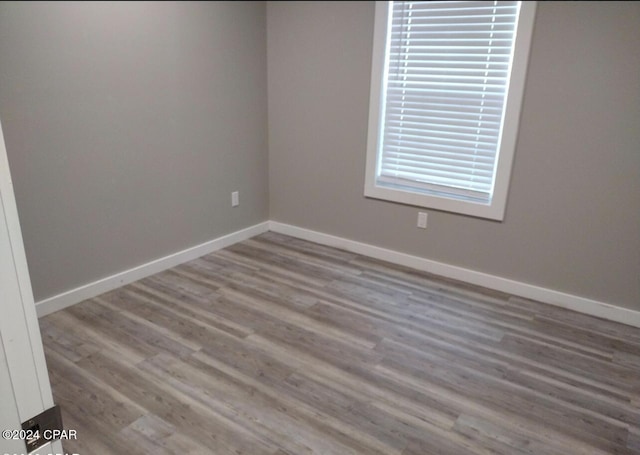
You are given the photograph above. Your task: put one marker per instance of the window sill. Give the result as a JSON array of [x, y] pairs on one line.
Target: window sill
[[492, 211]]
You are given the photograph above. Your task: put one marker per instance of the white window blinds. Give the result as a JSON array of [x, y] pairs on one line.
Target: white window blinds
[[445, 84]]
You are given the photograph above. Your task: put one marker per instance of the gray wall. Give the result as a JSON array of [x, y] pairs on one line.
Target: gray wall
[[573, 215], [127, 126]]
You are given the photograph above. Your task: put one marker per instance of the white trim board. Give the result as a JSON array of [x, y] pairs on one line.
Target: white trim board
[[569, 301], [572, 302], [103, 285]]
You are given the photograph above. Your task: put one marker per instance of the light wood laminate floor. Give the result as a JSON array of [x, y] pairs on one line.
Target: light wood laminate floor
[[278, 346]]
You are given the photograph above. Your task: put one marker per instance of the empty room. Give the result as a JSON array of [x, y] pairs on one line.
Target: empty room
[[347, 228]]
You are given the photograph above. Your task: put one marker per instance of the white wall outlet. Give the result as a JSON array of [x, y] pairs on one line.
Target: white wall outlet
[[422, 220], [235, 199]]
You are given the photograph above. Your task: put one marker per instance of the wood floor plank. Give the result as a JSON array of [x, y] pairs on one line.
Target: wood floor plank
[[488, 434], [511, 423], [506, 396], [192, 418], [362, 383], [279, 346], [246, 401]]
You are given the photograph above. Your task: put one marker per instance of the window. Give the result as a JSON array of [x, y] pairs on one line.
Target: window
[[446, 89]]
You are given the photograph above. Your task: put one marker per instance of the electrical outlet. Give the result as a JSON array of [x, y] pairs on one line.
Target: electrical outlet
[[422, 220], [235, 199]]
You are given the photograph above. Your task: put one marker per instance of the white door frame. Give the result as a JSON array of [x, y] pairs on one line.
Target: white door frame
[[24, 380], [9, 418]]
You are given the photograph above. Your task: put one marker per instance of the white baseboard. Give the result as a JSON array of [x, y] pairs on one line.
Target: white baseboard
[[572, 302], [98, 287]]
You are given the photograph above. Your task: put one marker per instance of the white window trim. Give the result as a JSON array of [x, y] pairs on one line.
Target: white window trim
[[496, 208]]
